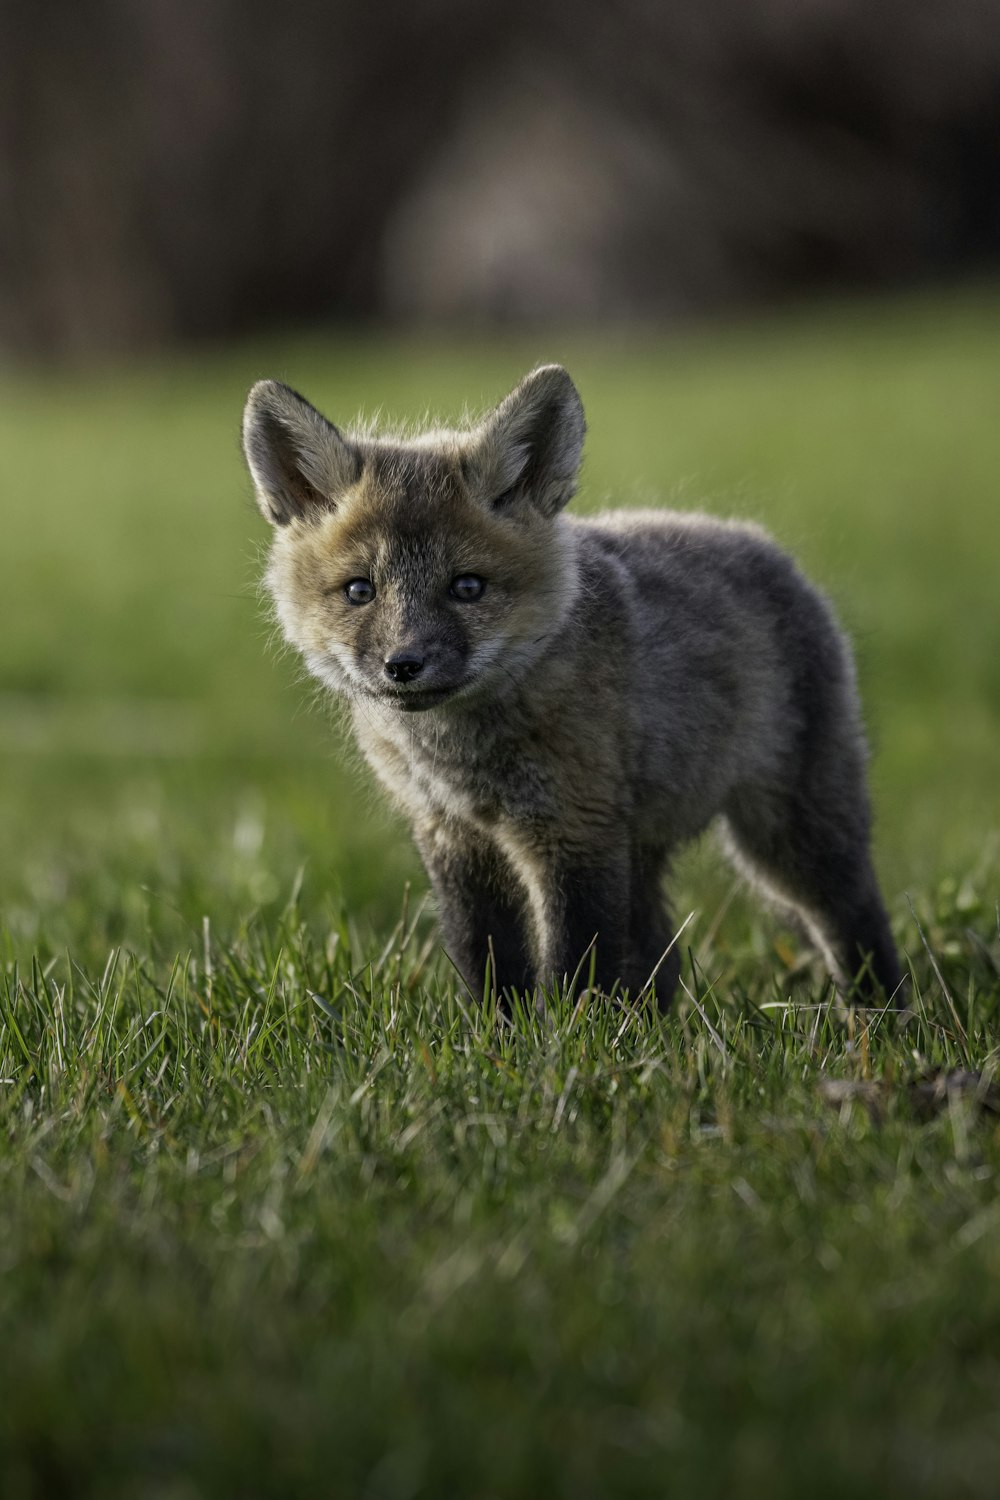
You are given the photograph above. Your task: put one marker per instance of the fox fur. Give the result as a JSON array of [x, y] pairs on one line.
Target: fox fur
[[556, 702]]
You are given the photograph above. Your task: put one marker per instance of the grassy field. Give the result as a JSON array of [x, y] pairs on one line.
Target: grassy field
[[281, 1213]]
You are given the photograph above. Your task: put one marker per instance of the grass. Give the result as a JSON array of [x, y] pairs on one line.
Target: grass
[[282, 1212]]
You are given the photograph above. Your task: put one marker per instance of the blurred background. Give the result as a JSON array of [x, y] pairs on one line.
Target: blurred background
[[764, 235], [174, 169]]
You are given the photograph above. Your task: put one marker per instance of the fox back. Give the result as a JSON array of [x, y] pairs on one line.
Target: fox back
[[556, 702]]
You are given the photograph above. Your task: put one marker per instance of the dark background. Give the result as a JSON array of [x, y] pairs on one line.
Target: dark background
[[174, 170]]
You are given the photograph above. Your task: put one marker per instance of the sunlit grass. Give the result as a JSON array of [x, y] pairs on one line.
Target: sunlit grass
[[291, 1207]]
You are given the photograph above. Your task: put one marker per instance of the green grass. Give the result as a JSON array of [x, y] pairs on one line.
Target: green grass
[[281, 1212]]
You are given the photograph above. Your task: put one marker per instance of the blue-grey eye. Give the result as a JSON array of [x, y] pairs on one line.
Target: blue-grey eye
[[466, 587], [360, 590]]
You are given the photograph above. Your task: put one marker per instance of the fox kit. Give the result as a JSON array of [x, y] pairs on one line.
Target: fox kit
[[557, 702]]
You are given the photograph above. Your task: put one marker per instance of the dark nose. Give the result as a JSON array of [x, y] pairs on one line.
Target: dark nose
[[404, 666]]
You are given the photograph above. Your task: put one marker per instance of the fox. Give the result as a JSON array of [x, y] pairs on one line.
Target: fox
[[557, 702]]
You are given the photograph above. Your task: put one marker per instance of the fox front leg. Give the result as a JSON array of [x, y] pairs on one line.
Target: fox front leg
[[654, 957], [480, 904], [580, 910]]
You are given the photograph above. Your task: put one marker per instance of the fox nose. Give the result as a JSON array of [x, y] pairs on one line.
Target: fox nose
[[404, 666]]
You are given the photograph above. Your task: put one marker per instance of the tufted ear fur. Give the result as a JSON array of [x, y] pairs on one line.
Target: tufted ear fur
[[530, 446], [298, 460]]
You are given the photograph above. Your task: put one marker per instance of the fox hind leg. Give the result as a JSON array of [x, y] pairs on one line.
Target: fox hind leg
[[815, 861]]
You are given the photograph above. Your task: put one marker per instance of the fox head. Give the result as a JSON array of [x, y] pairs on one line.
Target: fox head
[[418, 571]]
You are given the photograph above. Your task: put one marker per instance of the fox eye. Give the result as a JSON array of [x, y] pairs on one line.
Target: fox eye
[[360, 590], [466, 587]]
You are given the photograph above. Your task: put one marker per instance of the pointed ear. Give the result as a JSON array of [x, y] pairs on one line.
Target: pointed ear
[[531, 444], [298, 460]]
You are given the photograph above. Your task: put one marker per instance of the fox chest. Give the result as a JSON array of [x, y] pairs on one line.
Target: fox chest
[[480, 780]]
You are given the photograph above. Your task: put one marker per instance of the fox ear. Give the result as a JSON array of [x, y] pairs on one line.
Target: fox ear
[[298, 460], [531, 443]]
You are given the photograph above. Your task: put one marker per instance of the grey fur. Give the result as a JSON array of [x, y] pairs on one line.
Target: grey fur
[[623, 681]]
